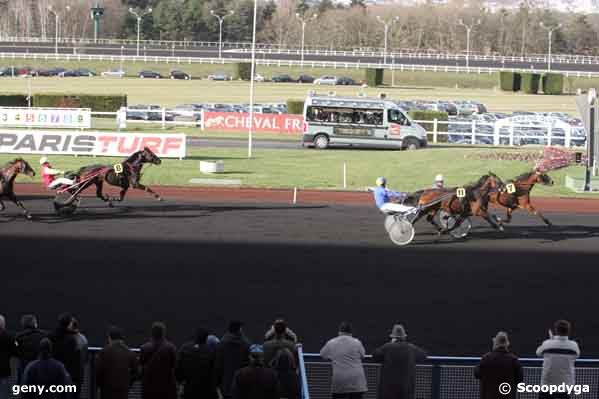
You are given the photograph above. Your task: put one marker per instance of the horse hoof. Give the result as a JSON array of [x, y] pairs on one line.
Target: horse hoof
[[110, 205], [29, 217], [501, 228], [160, 199]]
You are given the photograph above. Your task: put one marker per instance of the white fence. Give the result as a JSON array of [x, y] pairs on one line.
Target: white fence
[[17, 57]]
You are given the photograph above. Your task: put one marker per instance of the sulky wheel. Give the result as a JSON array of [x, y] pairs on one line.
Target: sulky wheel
[[448, 222], [401, 232], [462, 230], [389, 220], [65, 204]]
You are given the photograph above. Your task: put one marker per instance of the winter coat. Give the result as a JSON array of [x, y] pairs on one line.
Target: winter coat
[[346, 354], [497, 367], [158, 360], [255, 382], [196, 370], [398, 369], [116, 369], [232, 354]]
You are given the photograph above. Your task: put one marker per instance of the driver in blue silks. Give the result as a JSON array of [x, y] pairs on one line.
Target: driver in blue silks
[[387, 200]]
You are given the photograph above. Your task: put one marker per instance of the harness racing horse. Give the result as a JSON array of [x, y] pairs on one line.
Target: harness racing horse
[[474, 202], [8, 174], [516, 194], [124, 175]]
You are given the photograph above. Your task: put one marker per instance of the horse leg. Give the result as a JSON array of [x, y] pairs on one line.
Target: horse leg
[[508, 215], [493, 220], [147, 189], [99, 185], [532, 210], [18, 203], [2, 207]]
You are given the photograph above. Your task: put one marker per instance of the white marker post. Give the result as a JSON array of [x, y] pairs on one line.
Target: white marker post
[[344, 175], [294, 195]]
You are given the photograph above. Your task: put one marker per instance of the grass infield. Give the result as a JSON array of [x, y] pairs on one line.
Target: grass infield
[[308, 168]]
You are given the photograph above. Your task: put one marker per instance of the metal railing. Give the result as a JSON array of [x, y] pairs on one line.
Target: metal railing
[[445, 377], [15, 57]]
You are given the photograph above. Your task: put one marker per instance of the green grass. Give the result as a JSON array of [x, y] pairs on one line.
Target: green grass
[[304, 168], [169, 93]]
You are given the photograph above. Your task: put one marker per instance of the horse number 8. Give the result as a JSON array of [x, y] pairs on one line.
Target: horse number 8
[[118, 168], [460, 192], [511, 189]]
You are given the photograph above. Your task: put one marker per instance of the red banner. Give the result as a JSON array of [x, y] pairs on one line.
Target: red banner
[[266, 123]]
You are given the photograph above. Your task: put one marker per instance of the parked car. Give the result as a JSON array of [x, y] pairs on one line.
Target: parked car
[[346, 81], [305, 79], [9, 71], [188, 110], [176, 74], [326, 80], [113, 73], [77, 73], [149, 74], [259, 78], [221, 76], [282, 78], [448, 107]]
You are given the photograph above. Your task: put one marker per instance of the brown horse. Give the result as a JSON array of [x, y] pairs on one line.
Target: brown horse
[[515, 193], [8, 174], [474, 202]]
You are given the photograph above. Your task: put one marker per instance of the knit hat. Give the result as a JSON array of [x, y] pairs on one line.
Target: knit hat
[[398, 331]]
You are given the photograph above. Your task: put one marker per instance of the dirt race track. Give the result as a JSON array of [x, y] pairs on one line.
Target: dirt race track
[[193, 263]]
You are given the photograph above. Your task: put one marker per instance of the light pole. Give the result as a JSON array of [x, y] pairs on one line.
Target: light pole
[[468, 30], [139, 17], [303, 21], [220, 30], [253, 71], [550, 34], [387, 24], [56, 25], [122, 49]]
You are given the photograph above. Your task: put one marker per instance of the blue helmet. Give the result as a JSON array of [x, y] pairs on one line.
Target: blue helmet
[[381, 181]]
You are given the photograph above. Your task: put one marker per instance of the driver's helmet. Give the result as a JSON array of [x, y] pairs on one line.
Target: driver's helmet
[[439, 178], [43, 160], [381, 181]]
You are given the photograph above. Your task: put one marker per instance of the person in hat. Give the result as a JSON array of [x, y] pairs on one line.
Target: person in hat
[[232, 354], [398, 360], [438, 183], [256, 381], [49, 175], [500, 366], [387, 200]]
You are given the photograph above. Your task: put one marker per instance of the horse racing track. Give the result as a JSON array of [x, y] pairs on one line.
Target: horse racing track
[[200, 264]]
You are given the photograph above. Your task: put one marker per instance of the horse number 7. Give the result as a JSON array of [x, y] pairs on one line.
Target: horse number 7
[[511, 188], [460, 192], [118, 168]]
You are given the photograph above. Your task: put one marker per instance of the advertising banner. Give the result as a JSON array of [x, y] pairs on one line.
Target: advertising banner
[[70, 118], [90, 143], [267, 123]]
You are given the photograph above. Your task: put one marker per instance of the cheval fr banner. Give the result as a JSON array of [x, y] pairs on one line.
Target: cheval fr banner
[[90, 143], [240, 122], [70, 118]]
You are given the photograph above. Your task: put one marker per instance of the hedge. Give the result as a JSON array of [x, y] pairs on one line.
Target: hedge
[[374, 77], [295, 107], [509, 81], [97, 103], [424, 115], [13, 100], [530, 82], [242, 70], [553, 83]]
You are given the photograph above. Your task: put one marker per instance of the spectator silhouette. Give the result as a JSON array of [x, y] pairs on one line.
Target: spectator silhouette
[[346, 354], [559, 354], [45, 372], [280, 354], [117, 367], [398, 372], [28, 340], [8, 349], [196, 368], [67, 349], [158, 359], [497, 367], [232, 354], [255, 381]]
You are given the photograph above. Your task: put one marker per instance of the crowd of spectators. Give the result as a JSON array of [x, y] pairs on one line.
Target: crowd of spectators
[[232, 367]]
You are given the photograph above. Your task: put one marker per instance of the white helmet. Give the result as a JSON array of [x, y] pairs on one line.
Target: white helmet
[[381, 181], [439, 178], [43, 160]]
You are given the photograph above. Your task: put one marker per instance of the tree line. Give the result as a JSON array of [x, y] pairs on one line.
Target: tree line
[[330, 25]]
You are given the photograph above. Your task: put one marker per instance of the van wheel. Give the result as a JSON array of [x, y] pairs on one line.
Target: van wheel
[[411, 144], [321, 141]]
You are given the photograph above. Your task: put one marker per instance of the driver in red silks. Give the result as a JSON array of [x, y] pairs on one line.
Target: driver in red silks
[[49, 175]]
